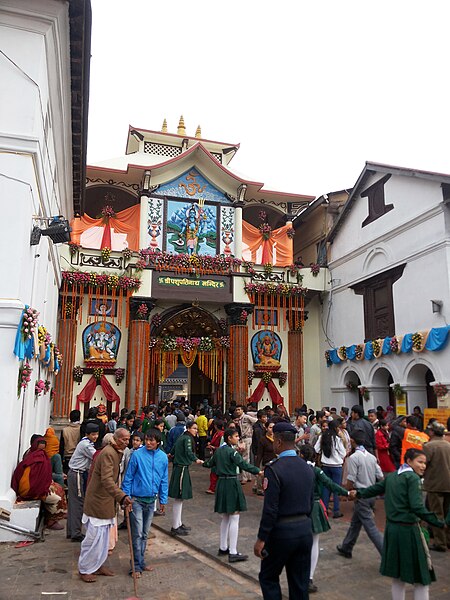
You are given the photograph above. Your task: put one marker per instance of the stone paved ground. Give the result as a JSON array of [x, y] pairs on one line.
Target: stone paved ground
[[188, 569]]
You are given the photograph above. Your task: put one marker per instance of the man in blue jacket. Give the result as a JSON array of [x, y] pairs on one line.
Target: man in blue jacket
[[146, 479]]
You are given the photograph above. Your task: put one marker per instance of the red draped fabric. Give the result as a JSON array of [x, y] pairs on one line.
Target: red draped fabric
[[88, 392], [275, 395], [106, 239]]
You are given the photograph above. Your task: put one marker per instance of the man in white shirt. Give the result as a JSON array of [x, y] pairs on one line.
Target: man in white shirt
[[363, 471]]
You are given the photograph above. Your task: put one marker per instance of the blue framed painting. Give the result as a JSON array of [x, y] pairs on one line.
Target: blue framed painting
[[101, 342], [191, 228], [266, 347], [103, 308]]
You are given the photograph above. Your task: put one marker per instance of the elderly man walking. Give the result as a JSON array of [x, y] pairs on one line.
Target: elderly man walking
[[100, 508]]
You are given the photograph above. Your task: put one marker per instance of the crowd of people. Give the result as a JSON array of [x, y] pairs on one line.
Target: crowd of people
[[303, 464]]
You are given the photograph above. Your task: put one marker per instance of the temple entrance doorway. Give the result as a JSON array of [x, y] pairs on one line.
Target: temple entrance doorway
[[189, 356]]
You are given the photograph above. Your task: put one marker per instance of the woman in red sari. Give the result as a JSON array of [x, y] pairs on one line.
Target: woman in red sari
[[32, 480], [382, 446]]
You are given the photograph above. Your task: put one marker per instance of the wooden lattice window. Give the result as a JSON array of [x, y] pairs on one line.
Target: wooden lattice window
[[376, 200]]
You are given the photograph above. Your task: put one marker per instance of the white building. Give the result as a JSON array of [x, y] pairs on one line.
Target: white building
[[44, 71], [389, 263]]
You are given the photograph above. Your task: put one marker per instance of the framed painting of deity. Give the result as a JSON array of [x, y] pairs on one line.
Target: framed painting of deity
[[266, 317], [266, 348], [191, 228], [101, 344], [103, 308]]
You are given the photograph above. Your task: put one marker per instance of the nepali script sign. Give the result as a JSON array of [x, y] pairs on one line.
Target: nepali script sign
[[214, 288], [184, 281]]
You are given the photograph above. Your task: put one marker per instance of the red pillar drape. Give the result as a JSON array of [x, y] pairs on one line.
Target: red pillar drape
[[87, 392]]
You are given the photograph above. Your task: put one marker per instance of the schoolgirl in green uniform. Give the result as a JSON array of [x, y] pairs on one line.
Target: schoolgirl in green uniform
[[230, 499]]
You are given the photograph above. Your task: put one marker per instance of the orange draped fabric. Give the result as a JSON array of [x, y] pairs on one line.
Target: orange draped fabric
[[126, 221], [279, 244]]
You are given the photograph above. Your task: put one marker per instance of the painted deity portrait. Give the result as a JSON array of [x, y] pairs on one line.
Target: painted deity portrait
[[266, 349], [103, 308], [101, 343], [191, 228]]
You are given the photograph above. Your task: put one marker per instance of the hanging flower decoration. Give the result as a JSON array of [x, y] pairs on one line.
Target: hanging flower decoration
[[52, 394], [74, 248], [268, 268], [206, 344], [119, 375], [58, 355], [107, 213], [262, 215], [328, 358], [106, 253], [342, 353], [266, 231], [315, 269], [68, 308], [282, 378], [156, 320], [142, 312], [250, 377], [397, 390], [293, 269], [243, 316], [440, 390], [247, 265], [153, 342], [39, 387], [77, 374], [29, 322], [169, 344], [96, 280], [290, 233], [352, 386], [223, 324], [140, 265], [364, 393], [359, 351], [98, 372], [24, 376], [417, 341], [377, 347], [224, 341], [394, 345], [267, 377], [47, 386], [127, 253]]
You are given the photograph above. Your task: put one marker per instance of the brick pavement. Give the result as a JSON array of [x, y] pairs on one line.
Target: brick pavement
[[188, 569]]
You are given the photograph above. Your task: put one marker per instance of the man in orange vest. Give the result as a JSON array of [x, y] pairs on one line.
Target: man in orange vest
[[412, 438]]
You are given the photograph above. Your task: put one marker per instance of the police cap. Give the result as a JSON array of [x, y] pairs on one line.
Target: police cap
[[283, 427]]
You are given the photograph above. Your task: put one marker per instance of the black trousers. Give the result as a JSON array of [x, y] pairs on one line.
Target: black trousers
[[289, 546]]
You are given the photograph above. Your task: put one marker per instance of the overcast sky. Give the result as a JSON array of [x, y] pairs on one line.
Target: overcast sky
[[311, 90]]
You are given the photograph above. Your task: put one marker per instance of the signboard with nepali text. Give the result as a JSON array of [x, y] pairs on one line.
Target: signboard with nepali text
[[212, 287]]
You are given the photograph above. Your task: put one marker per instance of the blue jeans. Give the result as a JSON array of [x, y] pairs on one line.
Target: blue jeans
[[140, 521], [335, 474]]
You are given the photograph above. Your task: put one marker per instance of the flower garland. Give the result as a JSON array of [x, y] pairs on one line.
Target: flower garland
[[397, 390], [394, 345], [156, 320], [417, 341], [24, 377], [106, 254], [171, 343], [168, 261], [39, 387], [250, 377], [275, 289], [142, 312], [352, 386], [98, 372], [74, 248], [127, 253], [377, 347], [100, 280], [107, 213], [290, 233], [267, 377], [282, 378], [342, 353], [328, 358], [364, 393], [315, 269], [268, 268]]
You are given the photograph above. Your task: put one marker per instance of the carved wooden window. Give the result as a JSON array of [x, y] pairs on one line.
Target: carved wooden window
[[379, 317], [376, 200]]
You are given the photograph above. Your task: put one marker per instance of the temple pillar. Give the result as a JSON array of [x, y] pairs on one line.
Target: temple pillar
[[138, 355], [295, 370], [237, 368], [238, 231], [67, 343]]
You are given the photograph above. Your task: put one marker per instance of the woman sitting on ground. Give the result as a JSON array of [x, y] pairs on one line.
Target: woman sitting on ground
[[32, 480]]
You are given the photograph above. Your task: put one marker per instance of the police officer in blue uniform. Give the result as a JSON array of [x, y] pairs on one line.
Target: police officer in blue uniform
[[285, 534]]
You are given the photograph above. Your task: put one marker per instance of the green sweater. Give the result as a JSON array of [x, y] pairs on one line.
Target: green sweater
[[402, 499], [183, 451], [228, 461]]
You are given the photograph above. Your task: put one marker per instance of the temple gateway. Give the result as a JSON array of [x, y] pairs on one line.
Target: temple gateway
[[180, 281]]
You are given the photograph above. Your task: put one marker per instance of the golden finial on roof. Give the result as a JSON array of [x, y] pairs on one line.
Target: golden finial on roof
[[181, 128], [164, 126], [198, 132]]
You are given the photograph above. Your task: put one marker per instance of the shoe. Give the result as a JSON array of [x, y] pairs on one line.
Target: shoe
[[78, 538], [338, 515], [343, 552], [261, 493], [232, 558], [311, 587], [185, 528], [437, 548], [209, 492], [159, 513], [178, 531], [223, 552]]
